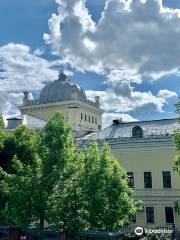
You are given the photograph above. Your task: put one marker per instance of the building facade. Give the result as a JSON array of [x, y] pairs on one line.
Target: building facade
[[146, 151], [62, 95]]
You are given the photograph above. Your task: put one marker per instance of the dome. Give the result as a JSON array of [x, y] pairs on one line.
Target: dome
[[62, 90]]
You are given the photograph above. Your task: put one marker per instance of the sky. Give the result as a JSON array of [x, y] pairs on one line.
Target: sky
[[126, 52]]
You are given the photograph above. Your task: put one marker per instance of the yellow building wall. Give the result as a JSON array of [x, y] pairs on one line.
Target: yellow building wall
[[72, 115], [155, 157], [46, 112]]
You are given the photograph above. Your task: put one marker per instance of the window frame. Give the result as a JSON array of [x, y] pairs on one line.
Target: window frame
[[146, 186], [131, 182], [168, 185], [166, 215], [146, 213]]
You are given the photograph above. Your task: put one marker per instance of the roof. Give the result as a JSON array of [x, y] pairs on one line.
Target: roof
[[149, 128], [60, 90], [34, 122], [27, 120]]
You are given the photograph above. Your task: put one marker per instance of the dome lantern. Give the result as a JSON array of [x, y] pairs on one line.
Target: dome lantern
[[62, 76]]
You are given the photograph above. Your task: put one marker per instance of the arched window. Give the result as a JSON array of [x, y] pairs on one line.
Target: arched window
[[137, 131]]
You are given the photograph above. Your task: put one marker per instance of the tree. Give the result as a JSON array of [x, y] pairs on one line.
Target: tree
[[107, 200], [176, 138], [24, 196], [1, 122], [40, 165], [2, 133], [18, 149], [66, 207], [22, 143], [93, 195], [57, 152], [2, 186]]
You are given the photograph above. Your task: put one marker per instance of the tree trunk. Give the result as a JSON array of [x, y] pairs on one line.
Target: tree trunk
[[42, 222]]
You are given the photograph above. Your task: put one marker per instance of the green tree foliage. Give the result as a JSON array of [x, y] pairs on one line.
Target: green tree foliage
[[2, 133], [24, 197], [19, 144], [95, 197], [1, 122], [107, 200], [176, 138], [177, 141], [65, 202], [57, 152], [56, 148]]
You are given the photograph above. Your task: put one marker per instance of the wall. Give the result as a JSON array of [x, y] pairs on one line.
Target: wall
[[154, 155], [72, 112]]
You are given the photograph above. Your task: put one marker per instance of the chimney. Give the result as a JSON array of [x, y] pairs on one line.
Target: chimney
[[26, 98], [117, 121]]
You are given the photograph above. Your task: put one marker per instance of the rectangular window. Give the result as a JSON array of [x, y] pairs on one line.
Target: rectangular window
[[166, 179], [92, 120], [147, 180], [130, 179], [89, 118], [81, 116], [150, 214], [95, 120], [169, 215]]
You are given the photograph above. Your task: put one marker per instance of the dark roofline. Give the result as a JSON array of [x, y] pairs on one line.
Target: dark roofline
[[14, 118], [145, 121]]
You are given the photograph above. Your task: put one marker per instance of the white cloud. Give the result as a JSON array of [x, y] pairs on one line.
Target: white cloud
[[164, 93], [131, 41], [9, 102], [21, 69], [137, 101], [142, 36], [39, 52]]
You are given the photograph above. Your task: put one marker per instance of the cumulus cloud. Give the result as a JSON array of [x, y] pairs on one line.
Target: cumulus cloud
[[141, 35], [9, 102], [164, 93], [21, 69], [138, 101], [132, 41]]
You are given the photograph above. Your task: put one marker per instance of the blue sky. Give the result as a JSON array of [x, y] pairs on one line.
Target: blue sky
[[131, 61]]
